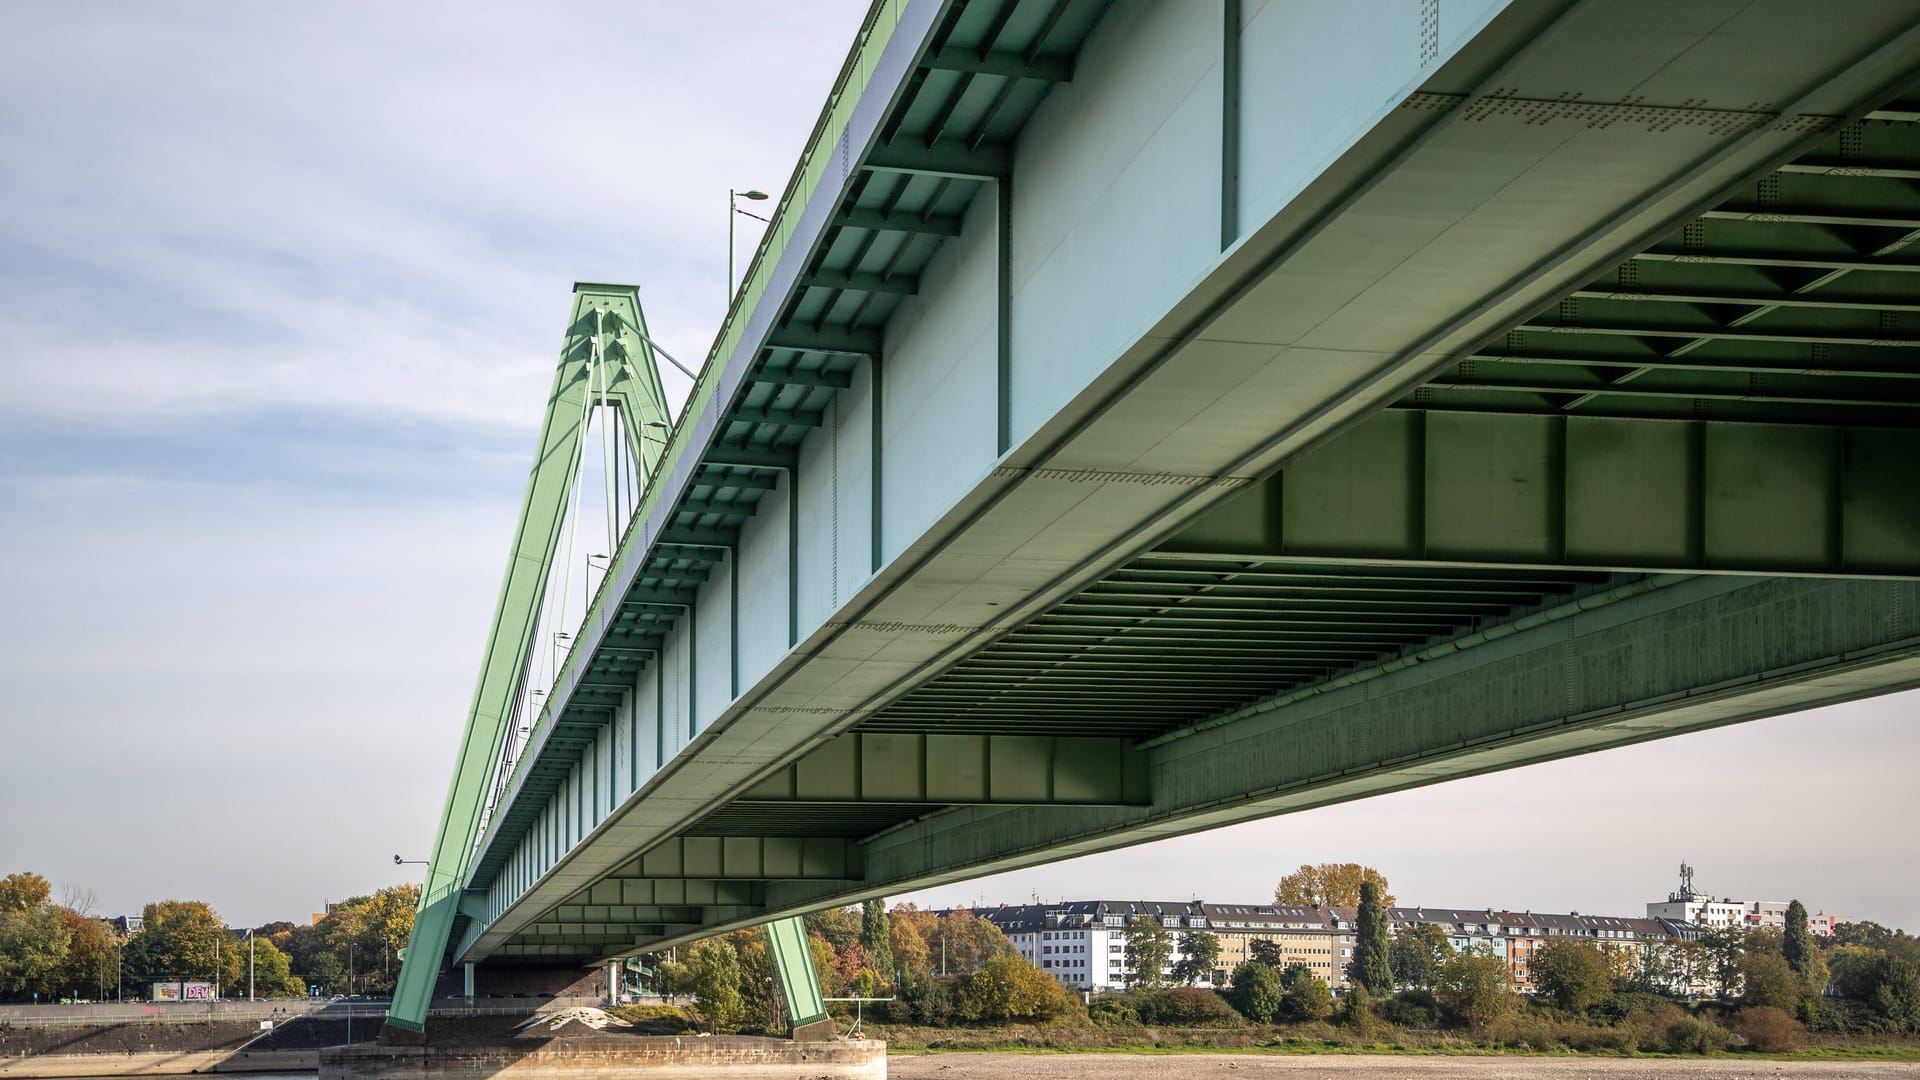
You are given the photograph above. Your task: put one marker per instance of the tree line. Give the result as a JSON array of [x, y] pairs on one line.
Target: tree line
[[53, 951]]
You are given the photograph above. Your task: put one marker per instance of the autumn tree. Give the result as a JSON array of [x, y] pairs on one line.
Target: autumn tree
[[1007, 987], [962, 942], [1329, 884], [1573, 974], [909, 949], [838, 927], [93, 950], [182, 939], [1199, 956], [1149, 947], [23, 891], [1370, 966], [1416, 953]]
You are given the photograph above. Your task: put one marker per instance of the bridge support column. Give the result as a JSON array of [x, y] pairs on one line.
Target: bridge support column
[[468, 973], [799, 983]]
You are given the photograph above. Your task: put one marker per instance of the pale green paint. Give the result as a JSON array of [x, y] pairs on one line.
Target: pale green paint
[[634, 389], [793, 966]]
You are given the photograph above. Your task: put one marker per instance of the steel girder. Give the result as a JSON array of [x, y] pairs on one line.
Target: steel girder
[[1598, 493]]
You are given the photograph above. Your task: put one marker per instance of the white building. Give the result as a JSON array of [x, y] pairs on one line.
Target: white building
[[1687, 905], [1083, 943]]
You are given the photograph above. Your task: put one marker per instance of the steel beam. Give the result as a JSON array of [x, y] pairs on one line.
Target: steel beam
[[1008, 65], [744, 858], [830, 339], [988, 161], [902, 221], [896, 284], [1634, 495], [950, 769]]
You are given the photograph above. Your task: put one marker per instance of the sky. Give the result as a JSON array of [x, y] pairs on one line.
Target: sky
[[280, 291]]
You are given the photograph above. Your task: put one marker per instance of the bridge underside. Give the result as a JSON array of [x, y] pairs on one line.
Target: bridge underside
[[1661, 481]]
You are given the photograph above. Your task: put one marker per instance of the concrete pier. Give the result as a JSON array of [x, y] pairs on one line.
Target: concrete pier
[[724, 1057]]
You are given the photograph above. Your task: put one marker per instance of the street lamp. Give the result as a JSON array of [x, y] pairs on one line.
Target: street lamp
[[398, 861], [733, 207]]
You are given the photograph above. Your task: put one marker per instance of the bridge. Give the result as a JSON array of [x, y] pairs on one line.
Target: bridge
[[1144, 417]]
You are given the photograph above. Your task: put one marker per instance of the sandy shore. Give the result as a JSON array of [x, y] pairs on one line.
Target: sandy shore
[[1367, 1067]]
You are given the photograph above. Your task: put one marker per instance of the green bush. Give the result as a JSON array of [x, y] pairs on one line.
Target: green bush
[[1115, 1010], [1411, 1009], [1839, 1016], [1770, 1030], [1697, 1035]]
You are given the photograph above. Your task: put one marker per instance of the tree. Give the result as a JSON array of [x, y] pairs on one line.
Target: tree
[[92, 951], [183, 939], [839, 927], [1149, 947], [1767, 979], [1896, 990], [1473, 988], [1797, 944], [1265, 951], [1304, 995], [1199, 956], [1007, 987], [876, 938], [1329, 884], [272, 970], [1573, 974], [716, 985], [1720, 952], [1257, 991], [759, 1005], [1416, 953], [962, 942], [909, 950], [33, 946], [23, 891], [1370, 966]]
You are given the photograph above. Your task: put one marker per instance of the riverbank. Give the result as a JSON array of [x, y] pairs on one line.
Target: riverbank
[[1106, 1066]]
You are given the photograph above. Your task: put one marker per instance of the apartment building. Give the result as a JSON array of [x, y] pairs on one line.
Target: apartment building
[[1083, 943]]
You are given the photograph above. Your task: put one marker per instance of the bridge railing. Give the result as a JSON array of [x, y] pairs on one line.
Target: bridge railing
[[877, 30]]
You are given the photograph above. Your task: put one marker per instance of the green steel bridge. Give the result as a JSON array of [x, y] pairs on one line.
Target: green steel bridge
[[1143, 417]]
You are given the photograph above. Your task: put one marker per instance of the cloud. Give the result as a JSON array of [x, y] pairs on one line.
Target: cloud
[[370, 208]]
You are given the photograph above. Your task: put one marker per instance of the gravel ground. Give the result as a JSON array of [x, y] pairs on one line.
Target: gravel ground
[[1366, 1067]]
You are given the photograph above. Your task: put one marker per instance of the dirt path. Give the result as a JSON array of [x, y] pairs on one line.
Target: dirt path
[[1367, 1067]]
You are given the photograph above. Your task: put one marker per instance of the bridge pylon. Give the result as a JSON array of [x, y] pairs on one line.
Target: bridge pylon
[[607, 361]]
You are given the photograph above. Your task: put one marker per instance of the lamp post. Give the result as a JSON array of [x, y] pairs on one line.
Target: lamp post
[[733, 207], [249, 963]]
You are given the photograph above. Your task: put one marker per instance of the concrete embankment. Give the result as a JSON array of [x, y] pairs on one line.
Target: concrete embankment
[[170, 1048], [178, 1063]]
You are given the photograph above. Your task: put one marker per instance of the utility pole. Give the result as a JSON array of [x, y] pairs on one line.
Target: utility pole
[[249, 963]]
